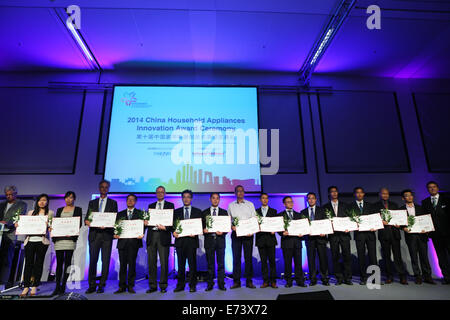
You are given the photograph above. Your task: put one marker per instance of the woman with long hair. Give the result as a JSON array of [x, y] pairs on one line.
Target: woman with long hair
[[35, 249]]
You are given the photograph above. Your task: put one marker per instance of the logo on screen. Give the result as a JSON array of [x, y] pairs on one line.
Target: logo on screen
[[129, 98]]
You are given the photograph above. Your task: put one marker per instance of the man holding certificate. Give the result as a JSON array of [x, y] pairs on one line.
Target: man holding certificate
[[158, 242], [438, 206], [100, 238], [186, 247], [266, 243], [417, 242], [364, 239], [241, 210], [215, 244], [128, 248], [389, 238], [291, 245], [339, 240], [316, 243]]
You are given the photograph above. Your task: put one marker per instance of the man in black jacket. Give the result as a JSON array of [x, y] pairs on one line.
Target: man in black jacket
[[128, 248], [266, 243], [339, 240], [389, 238], [215, 244], [158, 241], [186, 246], [292, 247], [364, 239], [417, 242], [100, 239], [316, 243], [438, 205]]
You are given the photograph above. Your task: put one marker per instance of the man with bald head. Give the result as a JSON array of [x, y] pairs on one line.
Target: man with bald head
[[389, 238]]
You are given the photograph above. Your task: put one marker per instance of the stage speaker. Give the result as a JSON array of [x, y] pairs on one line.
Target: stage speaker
[[315, 295]]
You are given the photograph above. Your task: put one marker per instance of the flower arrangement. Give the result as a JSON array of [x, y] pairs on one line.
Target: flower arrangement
[[209, 222], [260, 219], [235, 221], [16, 217], [145, 214], [287, 222], [386, 215], [118, 227], [354, 216], [329, 213], [178, 227], [89, 215], [411, 221]]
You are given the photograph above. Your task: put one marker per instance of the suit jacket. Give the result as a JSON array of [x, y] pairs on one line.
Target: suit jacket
[[165, 236], [129, 243], [78, 212], [342, 212], [440, 215], [209, 237], [367, 209], [419, 211], [290, 242], [187, 241], [263, 239], [388, 232], [319, 214], [111, 206], [7, 216]]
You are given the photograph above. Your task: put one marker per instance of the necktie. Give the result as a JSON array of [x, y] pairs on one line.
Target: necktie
[[214, 211], [386, 204], [264, 211], [101, 205], [290, 214], [311, 214], [434, 202], [334, 208], [129, 214], [361, 207], [159, 205], [186, 213]]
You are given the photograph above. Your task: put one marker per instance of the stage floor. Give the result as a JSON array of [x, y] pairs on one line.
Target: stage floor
[[394, 291]]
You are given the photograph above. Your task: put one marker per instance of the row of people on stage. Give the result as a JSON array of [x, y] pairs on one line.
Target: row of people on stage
[[159, 239]]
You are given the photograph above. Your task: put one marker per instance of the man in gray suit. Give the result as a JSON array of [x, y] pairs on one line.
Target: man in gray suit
[[8, 209]]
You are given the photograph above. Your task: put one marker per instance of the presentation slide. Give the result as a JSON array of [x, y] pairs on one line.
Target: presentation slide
[[199, 138]]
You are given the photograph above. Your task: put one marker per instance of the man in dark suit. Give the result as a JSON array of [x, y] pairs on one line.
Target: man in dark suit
[[339, 241], [158, 241], [364, 239], [128, 248], [8, 209], [417, 242], [100, 238], [186, 246], [292, 247], [215, 244], [389, 238], [316, 244], [438, 205], [266, 243]]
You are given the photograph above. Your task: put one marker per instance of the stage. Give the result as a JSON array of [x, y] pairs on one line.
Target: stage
[[394, 291]]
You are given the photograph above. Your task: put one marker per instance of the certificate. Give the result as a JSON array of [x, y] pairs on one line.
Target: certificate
[[32, 225], [163, 217], [370, 221], [132, 229], [272, 224], [398, 218], [423, 222], [298, 227], [191, 227], [246, 227], [343, 224], [319, 227], [220, 224], [103, 219], [65, 227]]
